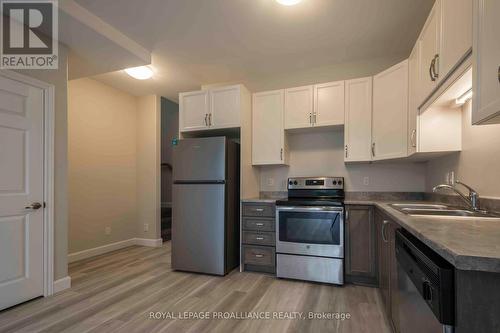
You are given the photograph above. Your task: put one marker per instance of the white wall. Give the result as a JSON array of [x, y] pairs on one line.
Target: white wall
[[321, 154], [114, 165], [148, 166], [478, 165]]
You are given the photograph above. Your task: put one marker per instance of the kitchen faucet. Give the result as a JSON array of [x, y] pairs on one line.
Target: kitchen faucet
[[472, 199]]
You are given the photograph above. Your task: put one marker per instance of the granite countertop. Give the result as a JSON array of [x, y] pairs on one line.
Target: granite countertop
[[260, 200], [467, 243]]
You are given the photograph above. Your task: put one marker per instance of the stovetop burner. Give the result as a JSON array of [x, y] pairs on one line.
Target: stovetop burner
[[314, 191]]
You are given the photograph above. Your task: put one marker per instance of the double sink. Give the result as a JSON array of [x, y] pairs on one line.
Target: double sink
[[441, 210]]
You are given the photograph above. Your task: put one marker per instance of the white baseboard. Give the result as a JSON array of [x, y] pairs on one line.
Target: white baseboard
[[149, 242], [62, 284], [72, 257]]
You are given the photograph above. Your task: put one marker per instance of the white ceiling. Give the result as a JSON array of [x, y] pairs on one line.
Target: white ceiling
[[200, 42]]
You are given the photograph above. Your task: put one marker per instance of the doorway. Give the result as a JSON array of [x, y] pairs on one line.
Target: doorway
[[26, 188], [169, 132]]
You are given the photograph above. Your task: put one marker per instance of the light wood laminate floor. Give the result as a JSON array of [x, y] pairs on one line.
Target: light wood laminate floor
[[118, 291]]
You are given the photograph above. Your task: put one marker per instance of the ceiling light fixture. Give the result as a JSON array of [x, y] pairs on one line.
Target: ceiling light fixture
[[140, 73], [288, 2]]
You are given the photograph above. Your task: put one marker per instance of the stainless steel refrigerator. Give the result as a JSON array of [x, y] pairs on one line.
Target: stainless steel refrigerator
[[205, 205]]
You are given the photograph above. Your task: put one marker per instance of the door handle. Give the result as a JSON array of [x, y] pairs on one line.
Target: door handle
[[34, 206]]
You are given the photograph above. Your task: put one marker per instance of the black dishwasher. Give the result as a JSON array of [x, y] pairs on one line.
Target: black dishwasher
[[425, 287]]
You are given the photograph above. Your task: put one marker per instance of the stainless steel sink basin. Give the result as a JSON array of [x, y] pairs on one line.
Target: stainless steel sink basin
[[441, 210]]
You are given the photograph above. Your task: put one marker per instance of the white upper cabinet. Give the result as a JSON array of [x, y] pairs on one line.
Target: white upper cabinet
[[390, 113], [413, 98], [358, 120], [486, 63], [194, 110], [456, 33], [329, 104], [298, 107], [268, 134], [214, 108], [225, 106], [429, 51]]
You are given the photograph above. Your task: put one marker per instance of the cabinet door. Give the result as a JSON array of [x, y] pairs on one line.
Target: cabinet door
[[486, 64], [413, 98], [193, 110], [298, 107], [360, 245], [394, 294], [390, 113], [383, 260], [225, 107], [456, 33], [429, 51], [329, 104], [358, 120], [267, 128]]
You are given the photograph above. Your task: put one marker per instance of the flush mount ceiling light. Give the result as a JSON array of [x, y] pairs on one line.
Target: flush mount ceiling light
[[288, 2], [140, 73]]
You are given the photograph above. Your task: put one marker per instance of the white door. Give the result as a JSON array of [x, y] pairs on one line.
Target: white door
[[298, 107], [267, 128], [429, 51], [456, 32], [21, 185], [225, 107], [413, 98], [486, 70], [194, 110], [329, 104], [358, 120], [390, 113]]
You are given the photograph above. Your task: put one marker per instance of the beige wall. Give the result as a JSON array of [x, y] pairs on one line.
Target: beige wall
[[478, 165], [148, 166], [59, 79], [321, 154], [102, 164], [113, 165]]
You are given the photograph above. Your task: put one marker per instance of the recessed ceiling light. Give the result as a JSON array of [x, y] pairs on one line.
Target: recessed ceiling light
[[140, 73], [288, 2]]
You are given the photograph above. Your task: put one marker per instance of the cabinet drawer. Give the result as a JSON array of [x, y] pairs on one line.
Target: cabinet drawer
[[256, 224], [260, 210], [259, 238], [259, 255]]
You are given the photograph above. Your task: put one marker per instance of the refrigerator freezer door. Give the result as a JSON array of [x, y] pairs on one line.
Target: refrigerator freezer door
[[200, 159], [198, 228]]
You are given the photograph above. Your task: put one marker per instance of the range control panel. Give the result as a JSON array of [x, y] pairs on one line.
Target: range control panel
[[322, 183]]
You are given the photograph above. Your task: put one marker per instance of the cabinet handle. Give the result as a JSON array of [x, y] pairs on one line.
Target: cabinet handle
[[281, 154], [206, 117], [259, 224], [259, 209], [384, 238], [259, 255], [346, 215], [373, 149], [431, 74], [413, 138], [346, 151], [436, 66], [259, 238], [310, 118], [314, 118], [209, 119]]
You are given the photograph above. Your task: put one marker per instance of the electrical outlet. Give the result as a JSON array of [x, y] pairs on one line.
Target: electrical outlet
[[270, 181], [366, 181], [107, 230], [146, 227]]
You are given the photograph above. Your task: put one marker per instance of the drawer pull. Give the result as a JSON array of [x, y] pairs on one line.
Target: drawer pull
[[259, 238], [259, 256], [259, 209], [259, 224]]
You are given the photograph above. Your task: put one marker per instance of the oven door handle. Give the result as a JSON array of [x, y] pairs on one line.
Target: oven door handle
[[310, 209]]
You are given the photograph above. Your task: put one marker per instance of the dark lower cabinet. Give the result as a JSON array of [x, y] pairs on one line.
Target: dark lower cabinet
[[385, 230], [360, 246]]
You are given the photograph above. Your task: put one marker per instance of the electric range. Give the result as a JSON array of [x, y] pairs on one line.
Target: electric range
[[310, 230]]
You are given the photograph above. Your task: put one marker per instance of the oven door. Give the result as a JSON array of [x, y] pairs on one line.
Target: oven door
[[314, 231]]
